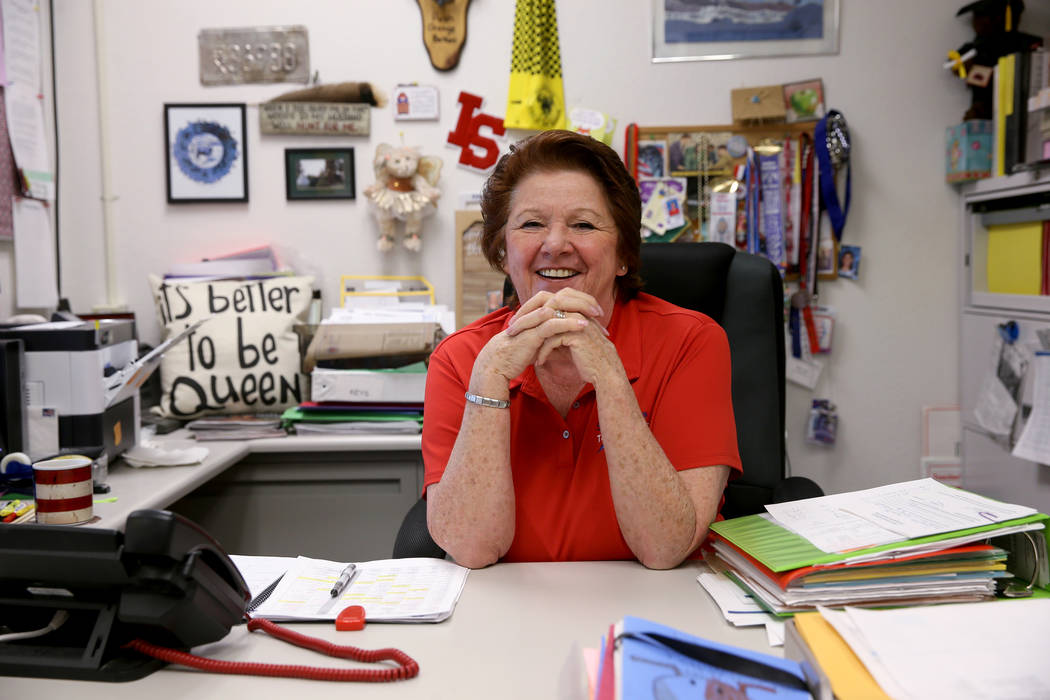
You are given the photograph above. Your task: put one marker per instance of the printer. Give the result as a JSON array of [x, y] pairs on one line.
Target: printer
[[69, 367]]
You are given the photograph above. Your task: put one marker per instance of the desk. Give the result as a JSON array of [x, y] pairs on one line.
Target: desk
[[335, 497], [516, 633]]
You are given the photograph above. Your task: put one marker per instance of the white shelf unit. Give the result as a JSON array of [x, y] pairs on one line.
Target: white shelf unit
[[987, 465]]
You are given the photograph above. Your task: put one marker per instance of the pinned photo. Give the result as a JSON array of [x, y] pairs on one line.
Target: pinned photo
[[849, 261], [804, 101], [652, 159]]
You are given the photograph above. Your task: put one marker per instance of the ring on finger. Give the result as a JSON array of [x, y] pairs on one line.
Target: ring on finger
[[558, 313]]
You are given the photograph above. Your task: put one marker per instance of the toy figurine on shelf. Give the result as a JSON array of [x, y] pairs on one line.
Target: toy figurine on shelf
[[995, 25], [404, 190]]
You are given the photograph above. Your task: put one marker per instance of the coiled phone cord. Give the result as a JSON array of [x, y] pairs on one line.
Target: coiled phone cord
[[407, 666]]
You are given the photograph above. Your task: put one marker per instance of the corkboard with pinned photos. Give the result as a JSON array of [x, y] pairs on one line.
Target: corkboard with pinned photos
[[699, 160], [479, 288]]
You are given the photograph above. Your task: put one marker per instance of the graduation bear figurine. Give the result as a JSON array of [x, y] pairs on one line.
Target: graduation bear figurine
[[996, 35]]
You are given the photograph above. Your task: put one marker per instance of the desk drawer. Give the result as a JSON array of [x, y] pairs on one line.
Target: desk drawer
[[344, 506]]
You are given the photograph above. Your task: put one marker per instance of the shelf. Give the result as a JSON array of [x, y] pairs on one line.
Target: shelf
[[1001, 201]]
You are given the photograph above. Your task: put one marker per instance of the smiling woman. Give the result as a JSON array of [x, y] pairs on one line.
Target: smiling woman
[[587, 420]]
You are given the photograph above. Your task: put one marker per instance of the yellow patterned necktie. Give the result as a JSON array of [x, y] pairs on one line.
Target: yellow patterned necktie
[[535, 98]]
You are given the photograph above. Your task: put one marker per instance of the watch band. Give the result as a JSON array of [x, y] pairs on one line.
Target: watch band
[[486, 401]]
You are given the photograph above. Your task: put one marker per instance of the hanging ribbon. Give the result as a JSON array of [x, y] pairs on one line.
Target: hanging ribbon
[[801, 312], [770, 180], [630, 149], [829, 156], [751, 200], [535, 98]]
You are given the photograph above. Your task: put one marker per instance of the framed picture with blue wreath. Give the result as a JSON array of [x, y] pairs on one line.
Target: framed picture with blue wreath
[[206, 153]]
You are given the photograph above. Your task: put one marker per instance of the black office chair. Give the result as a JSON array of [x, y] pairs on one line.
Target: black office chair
[[744, 294]]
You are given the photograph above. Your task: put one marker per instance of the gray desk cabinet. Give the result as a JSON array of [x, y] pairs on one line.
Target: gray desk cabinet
[[343, 506], [987, 465]]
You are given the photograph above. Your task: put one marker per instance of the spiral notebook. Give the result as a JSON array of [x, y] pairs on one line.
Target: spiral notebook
[[390, 590]]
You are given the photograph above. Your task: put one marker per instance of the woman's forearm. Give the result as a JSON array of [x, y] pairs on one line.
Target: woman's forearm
[[470, 512], [663, 514]]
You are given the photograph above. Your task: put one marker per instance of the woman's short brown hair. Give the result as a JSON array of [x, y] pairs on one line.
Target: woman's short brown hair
[[553, 151]]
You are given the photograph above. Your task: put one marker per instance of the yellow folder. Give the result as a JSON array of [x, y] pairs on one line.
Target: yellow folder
[[849, 678], [1015, 258]]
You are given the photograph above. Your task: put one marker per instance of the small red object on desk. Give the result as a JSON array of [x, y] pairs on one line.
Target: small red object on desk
[[351, 618]]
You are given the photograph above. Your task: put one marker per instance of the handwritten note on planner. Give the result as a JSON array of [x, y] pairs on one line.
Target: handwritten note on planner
[[390, 590]]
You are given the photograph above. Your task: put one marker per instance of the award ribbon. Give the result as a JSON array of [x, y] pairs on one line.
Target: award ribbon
[[832, 151], [772, 212]]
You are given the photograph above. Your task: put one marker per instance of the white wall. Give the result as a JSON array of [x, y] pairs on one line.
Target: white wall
[[895, 348]]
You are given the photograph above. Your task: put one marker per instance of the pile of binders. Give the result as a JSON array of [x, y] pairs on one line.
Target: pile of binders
[[913, 543]]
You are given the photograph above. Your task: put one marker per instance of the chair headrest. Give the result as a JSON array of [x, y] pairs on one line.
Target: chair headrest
[[690, 275]]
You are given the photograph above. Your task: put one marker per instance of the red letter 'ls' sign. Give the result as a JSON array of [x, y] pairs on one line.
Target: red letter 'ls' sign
[[476, 151]]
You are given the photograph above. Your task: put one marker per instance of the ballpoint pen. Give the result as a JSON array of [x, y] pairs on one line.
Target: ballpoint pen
[[344, 580]]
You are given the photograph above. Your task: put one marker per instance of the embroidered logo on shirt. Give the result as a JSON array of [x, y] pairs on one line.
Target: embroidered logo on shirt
[[601, 445]]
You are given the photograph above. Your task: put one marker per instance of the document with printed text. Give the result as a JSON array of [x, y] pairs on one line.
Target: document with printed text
[[890, 513]]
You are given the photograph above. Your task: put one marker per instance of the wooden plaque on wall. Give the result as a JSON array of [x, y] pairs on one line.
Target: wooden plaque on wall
[[479, 288]]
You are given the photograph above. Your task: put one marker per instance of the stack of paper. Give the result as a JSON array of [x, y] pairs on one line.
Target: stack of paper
[[903, 544], [237, 427], [390, 590], [987, 650], [251, 263]]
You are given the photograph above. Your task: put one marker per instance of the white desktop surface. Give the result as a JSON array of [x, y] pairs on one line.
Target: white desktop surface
[[159, 487], [517, 632]]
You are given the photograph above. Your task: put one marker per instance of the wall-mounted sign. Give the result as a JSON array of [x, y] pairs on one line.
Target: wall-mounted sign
[[416, 102], [343, 118], [476, 151], [254, 55]]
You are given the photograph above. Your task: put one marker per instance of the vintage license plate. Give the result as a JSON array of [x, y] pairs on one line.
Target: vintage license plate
[[254, 55]]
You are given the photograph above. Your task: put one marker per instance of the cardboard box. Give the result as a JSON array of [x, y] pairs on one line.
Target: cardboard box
[[380, 385], [330, 341], [968, 151], [758, 105]]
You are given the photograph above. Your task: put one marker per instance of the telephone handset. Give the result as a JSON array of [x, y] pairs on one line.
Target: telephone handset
[[164, 580]]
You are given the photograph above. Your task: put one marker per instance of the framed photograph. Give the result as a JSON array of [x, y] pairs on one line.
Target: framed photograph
[[206, 153], [804, 101], [710, 31], [319, 173]]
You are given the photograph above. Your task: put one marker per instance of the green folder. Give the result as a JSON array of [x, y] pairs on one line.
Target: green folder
[[296, 414], [780, 549]]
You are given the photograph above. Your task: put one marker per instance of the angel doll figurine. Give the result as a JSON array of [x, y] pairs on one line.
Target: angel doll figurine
[[403, 191]]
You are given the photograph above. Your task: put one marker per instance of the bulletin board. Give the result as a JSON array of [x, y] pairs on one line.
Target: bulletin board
[[704, 157], [479, 288]]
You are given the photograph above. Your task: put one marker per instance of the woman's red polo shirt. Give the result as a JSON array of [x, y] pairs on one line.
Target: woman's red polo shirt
[[678, 363]]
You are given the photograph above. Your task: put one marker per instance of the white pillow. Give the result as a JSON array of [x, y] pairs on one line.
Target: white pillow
[[245, 359]]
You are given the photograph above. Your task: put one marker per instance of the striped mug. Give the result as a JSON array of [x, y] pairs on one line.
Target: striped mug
[[64, 490]]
